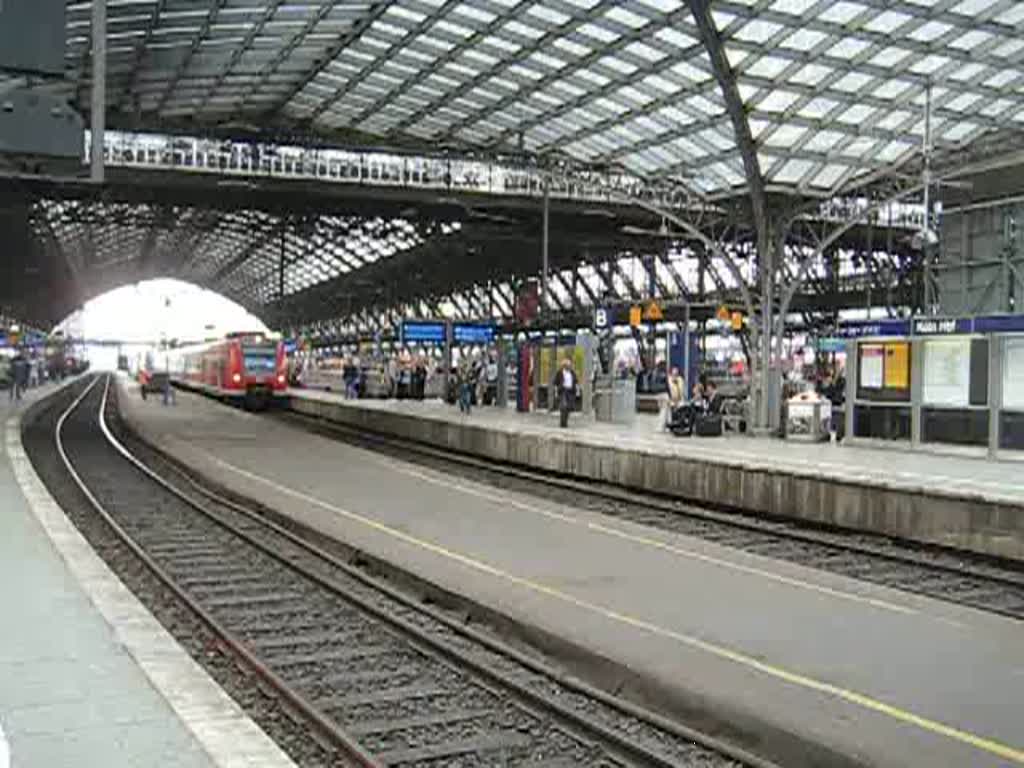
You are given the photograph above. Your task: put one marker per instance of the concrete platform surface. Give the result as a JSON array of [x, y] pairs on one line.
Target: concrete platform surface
[[958, 476], [959, 502], [87, 676], [889, 678]]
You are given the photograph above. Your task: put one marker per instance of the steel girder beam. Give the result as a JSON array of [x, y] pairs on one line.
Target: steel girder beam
[[764, 227], [579, 16], [350, 36], [476, 304], [272, 66], [257, 242], [191, 243], [213, 11], [677, 279], [165, 222], [507, 296], [557, 277], [372, 66], [584, 291], [236, 55], [615, 268], [140, 52], [701, 10]]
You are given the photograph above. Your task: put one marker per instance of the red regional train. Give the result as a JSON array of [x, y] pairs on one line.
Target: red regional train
[[248, 368]]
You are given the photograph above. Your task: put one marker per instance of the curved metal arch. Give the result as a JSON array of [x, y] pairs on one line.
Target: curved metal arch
[[701, 10]]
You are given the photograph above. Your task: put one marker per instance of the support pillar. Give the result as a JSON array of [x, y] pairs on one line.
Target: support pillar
[[446, 354], [995, 392], [916, 390], [686, 353], [765, 417], [502, 395], [545, 238], [99, 89], [852, 376], [280, 264]]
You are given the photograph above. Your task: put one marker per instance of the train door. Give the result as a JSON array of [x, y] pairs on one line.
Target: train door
[[281, 379], [233, 375]]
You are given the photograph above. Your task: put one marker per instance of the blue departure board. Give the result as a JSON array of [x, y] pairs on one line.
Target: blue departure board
[[473, 333], [422, 332]]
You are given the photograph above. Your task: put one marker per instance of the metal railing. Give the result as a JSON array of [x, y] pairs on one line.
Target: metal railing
[[382, 169], [503, 177]]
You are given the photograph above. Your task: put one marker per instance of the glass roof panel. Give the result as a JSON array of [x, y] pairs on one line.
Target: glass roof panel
[[603, 81]]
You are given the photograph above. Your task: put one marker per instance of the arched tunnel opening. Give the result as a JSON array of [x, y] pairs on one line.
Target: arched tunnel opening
[[139, 318]]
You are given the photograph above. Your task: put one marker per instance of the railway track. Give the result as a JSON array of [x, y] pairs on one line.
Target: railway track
[[955, 576], [377, 678]]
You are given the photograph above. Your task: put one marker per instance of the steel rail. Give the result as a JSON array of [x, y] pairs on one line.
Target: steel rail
[[632, 750], [321, 722]]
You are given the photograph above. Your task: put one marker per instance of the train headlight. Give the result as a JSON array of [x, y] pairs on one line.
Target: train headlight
[[280, 378], [237, 378]]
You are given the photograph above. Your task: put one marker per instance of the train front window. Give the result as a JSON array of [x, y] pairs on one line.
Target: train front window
[[260, 359]]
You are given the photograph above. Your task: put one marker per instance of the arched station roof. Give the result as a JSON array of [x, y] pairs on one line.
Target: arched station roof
[[731, 101], [826, 89]]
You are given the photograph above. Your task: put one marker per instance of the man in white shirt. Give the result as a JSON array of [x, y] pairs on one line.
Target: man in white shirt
[[564, 388], [491, 380]]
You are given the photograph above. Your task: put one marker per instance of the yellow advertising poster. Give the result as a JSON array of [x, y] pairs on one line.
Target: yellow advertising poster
[[897, 365], [578, 359], [546, 369]]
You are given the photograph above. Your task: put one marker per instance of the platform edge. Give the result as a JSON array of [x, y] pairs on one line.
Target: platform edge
[[208, 713]]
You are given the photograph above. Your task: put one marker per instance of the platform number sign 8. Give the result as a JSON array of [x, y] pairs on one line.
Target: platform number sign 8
[[600, 318]]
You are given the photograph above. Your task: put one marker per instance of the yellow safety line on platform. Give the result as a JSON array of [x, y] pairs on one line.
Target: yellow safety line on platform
[[932, 726], [657, 544]]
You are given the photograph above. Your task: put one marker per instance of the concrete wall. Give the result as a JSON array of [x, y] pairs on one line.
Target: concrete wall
[[974, 524]]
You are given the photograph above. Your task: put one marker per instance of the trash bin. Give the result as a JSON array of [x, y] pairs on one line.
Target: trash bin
[[809, 420]]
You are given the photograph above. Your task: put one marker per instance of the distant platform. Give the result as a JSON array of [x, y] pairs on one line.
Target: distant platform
[[964, 502]]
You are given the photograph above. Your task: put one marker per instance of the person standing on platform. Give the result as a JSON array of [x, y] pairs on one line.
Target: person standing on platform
[[391, 376], [33, 372], [168, 393], [419, 378], [19, 375], [565, 385], [465, 387], [491, 377], [676, 388]]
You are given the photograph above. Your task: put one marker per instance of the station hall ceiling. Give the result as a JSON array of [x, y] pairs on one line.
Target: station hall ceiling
[[828, 89], [814, 97]]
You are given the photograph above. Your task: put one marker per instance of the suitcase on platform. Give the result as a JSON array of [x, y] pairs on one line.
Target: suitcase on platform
[[709, 426]]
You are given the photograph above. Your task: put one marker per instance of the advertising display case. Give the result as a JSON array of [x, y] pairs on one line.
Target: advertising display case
[[882, 404], [1011, 416], [955, 391], [938, 381]]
